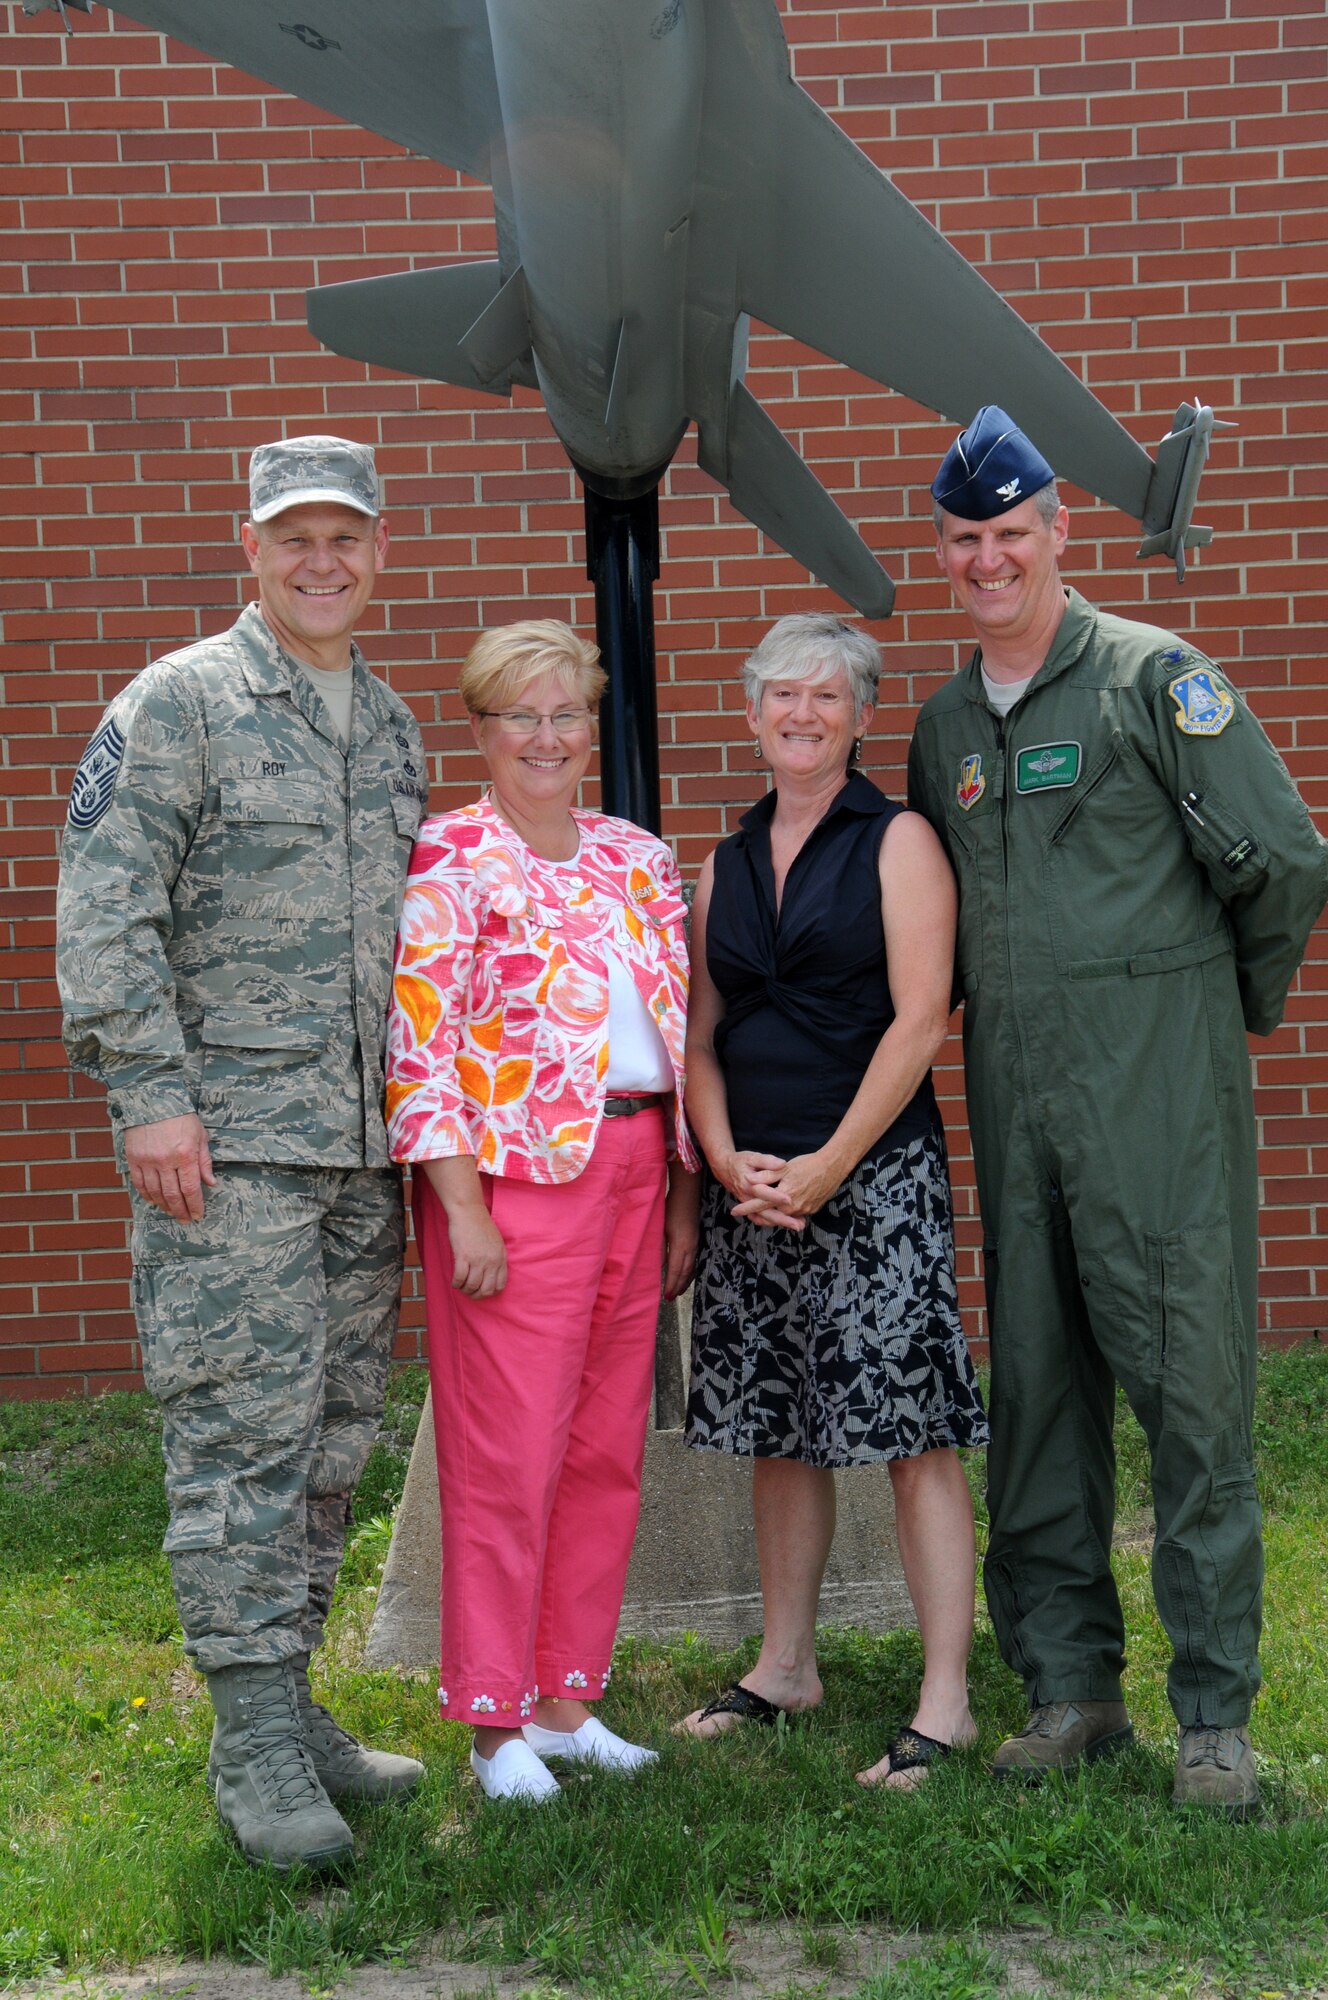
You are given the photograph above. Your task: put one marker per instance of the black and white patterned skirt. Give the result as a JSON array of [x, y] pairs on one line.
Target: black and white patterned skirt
[[840, 1344]]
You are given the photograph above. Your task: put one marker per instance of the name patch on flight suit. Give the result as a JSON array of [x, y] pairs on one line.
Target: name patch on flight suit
[[1047, 766], [1203, 706]]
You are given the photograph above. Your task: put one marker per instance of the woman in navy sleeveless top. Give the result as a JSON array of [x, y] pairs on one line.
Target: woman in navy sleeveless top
[[825, 1325]]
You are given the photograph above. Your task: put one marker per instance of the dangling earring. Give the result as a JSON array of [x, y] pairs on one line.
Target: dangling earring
[[855, 754], [756, 748]]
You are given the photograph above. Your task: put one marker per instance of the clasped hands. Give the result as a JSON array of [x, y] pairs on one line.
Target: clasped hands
[[775, 1193]]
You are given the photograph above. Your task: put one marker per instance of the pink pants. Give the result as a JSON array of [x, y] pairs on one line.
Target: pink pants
[[540, 1397]]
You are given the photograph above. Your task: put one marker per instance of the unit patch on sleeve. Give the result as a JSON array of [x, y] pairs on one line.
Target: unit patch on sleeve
[[971, 784], [1203, 706], [1047, 766], [94, 780]]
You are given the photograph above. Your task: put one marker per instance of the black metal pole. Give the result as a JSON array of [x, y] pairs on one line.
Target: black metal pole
[[622, 561]]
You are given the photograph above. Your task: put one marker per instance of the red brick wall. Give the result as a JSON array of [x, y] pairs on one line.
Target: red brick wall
[[1143, 178]]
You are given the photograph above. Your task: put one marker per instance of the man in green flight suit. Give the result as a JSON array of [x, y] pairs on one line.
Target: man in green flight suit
[[230, 876], [1138, 878]]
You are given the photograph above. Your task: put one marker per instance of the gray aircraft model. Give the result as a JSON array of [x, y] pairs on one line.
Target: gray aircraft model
[[659, 179]]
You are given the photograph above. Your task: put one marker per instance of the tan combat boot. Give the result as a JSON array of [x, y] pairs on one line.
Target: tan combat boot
[[1215, 1767], [266, 1789], [345, 1768], [1061, 1734]]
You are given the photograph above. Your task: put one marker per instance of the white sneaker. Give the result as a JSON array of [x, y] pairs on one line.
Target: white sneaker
[[592, 1743], [514, 1772]]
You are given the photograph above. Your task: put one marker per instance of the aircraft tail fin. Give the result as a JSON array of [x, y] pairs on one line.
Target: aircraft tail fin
[[771, 485], [459, 323], [1174, 487]]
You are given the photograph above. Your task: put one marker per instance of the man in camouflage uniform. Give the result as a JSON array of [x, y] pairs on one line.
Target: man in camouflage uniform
[[230, 877], [1137, 880]]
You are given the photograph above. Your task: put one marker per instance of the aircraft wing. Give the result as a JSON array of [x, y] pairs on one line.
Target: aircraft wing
[[417, 71], [827, 250]]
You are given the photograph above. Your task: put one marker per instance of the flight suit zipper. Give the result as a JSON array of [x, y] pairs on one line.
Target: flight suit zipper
[[1005, 884]]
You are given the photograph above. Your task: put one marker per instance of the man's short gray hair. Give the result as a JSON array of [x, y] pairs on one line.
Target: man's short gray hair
[[813, 646], [1047, 498]]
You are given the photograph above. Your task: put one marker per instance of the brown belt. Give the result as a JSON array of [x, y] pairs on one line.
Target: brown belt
[[627, 1107]]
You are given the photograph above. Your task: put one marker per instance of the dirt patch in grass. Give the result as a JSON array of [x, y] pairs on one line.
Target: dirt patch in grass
[[34, 1471], [764, 1963]]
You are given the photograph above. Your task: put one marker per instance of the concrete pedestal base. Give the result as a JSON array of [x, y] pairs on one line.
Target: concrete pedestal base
[[694, 1564]]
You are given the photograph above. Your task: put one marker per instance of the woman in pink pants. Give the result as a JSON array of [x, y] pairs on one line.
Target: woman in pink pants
[[535, 1082]]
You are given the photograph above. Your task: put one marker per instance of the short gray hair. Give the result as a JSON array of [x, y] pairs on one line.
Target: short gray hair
[[1047, 499], [813, 646]]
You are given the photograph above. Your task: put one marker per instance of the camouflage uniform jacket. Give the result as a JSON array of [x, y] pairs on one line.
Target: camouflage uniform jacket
[[229, 888]]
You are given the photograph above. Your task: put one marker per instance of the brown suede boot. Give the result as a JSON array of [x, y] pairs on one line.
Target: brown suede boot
[[1060, 1734], [1215, 1768]]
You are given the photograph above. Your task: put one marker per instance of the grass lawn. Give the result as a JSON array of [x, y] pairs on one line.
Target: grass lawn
[[110, 1853]]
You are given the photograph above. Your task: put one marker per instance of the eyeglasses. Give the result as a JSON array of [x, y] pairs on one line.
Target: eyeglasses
[[525, 721]]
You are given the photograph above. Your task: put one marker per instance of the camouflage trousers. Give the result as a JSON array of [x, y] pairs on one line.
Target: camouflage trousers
[[266, 1332]]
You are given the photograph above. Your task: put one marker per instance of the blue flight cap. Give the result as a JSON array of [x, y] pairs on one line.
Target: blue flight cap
[[989, 468]]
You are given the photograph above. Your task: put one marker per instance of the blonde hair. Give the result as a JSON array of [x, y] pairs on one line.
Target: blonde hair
[[503, 663]]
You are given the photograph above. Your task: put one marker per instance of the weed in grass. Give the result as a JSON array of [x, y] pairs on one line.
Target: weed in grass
[[635, 1978], [821, 1948], [26, 1952], [366, 1553], [953, 1969], [567, 1946], [711, 1957]]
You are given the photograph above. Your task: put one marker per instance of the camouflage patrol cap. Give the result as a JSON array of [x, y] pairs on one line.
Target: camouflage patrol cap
[[990, 467], [296, 472]]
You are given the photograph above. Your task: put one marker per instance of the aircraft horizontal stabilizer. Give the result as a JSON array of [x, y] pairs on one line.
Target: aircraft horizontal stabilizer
[[770, 484], [458, 323], [1174, 487]]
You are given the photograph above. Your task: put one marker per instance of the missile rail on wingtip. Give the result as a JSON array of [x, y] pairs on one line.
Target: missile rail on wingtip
[[660, 179]]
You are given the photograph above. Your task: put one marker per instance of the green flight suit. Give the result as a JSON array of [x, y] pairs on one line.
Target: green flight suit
[[1137, 881], [230, 879]]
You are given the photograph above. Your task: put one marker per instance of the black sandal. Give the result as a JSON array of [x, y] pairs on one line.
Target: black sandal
[[745, 1703], [910, 1750]]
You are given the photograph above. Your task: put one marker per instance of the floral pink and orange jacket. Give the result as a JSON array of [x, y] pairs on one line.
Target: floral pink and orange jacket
[[496, 1034]]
